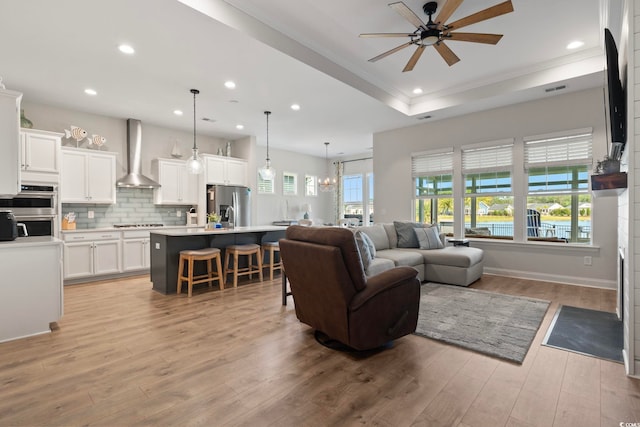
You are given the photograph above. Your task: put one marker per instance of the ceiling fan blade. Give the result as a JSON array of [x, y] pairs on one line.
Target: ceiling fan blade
[[447, 10], [414, 59], [475, 37], [491, 12], [389, 52], [446, 53], [407, 14], [388, 35]]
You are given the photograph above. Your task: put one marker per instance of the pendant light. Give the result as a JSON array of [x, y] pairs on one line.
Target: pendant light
[[267, 173], [194, 164], [327, 184]]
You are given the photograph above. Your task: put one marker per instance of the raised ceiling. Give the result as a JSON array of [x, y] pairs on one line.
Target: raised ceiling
[[280, 52]]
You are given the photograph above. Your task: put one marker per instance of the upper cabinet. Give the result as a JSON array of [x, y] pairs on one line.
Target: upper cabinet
[[88, 176], [40, 153], [178, 186], [10, 139], [225, 170]]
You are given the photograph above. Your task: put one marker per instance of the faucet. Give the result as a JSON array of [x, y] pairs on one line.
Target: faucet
[[230, 210]]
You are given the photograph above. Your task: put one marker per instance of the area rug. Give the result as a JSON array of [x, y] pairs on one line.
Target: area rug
[[590, 332], [495, 324]]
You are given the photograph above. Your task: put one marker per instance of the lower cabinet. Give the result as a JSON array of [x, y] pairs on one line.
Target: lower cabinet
[[91, 254], [135, 250]]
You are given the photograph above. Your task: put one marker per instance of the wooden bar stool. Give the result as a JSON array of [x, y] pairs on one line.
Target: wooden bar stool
[[190, 256], [237, 251], [272, 248]]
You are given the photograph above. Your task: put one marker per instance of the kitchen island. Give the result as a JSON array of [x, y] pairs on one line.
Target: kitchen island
[[31, 295], [167, 244]]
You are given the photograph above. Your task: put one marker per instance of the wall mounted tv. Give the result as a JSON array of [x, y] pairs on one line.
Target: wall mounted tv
[[615, 98]]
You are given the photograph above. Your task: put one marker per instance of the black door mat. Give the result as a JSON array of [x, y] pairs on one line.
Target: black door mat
[[590, 332]]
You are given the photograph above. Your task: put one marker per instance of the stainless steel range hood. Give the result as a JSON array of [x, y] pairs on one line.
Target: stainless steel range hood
[[134, 177]]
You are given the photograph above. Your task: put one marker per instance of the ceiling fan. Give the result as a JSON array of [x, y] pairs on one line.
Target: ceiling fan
[[435, 33]]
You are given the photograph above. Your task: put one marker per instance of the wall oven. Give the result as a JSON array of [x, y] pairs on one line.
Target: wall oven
[[36, 206]]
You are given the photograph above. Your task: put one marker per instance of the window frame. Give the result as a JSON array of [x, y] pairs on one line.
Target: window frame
[[294, 185]]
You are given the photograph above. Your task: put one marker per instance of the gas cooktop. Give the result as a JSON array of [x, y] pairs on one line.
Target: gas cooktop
[[137, 225]]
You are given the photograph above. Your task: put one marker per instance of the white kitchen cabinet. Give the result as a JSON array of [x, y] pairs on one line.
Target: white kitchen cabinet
[[40, 152], [10, 138], [32, 279], [88, 176], [91, 253], [135, 250], [178, 186], [225, 170]]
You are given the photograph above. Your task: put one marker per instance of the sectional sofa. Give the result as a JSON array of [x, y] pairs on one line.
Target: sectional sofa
[[394, 244]]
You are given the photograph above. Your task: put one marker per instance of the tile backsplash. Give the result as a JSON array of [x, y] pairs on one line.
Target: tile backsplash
[[133, 206]]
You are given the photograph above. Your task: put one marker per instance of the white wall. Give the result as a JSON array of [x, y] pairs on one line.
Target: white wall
[[394, 187], [273, 207]]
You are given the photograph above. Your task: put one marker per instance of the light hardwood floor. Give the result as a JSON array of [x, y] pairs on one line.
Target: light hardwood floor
[[124, 355]]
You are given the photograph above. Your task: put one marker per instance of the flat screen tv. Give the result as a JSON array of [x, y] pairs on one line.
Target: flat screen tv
[[616, 111]]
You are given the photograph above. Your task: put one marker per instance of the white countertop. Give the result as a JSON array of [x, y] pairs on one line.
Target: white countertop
[[203, 231], [30, 241], [85, 230]]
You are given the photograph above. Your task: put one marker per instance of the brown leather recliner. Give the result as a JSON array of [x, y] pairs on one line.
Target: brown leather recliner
[[332, 294]]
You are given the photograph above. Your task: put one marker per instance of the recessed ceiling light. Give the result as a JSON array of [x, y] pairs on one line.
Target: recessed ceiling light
[[239, 127], [229, 84], [575, 44], [125, 48], [178, 112], [417, 91], [295, 107], [90, 92]]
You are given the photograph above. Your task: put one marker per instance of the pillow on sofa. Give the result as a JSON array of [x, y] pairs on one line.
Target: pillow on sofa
[[363, 249], [428, 238], [406, 236], [370, 245]]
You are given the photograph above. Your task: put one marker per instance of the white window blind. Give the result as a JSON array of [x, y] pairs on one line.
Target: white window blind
[[563, 150], [494, 158], [265, 186], [289, 184], [434, 163]]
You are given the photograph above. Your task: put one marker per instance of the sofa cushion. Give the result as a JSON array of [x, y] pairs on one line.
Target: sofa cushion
[[363, 249], [402, 256], [378, 265], [406, 236], [377, 235], [428, 238], [390, 229], [455, 256]]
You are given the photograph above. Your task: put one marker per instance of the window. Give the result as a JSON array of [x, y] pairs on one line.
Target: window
[[289, 184], [558, 198], [356, 194], [488, 203], [310, 185], [433, 175], [352, 197], [265, 186]]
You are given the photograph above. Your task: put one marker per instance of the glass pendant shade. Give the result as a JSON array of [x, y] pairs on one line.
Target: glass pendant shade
[[194, 164], [266, 172]]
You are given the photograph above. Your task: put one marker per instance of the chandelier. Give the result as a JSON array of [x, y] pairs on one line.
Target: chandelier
[[327, 184]]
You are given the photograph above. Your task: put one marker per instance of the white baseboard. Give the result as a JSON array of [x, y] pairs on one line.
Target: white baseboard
[[567, 280]]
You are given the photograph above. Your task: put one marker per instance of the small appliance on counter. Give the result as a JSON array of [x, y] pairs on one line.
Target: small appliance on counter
[[9, 226], [192, 217]]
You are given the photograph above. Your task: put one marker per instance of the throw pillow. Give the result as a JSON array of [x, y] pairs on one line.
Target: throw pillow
[[363, 249], [406, 236], [370, 245], [428, 238]]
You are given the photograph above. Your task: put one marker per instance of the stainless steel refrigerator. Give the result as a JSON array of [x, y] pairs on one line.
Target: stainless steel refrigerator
[[232, 203]]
